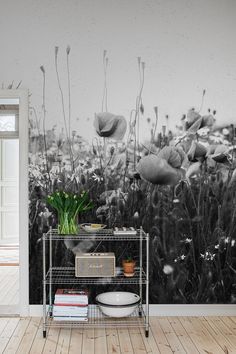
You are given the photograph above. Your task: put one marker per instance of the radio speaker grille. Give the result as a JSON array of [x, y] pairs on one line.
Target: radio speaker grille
[[95, 265]]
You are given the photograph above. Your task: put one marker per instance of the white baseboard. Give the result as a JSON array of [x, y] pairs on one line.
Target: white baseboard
[[193, 310], [170, 310]]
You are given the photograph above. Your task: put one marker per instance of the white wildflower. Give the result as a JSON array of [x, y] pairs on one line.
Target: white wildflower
[[217, 133], [226, 142], [225, 131], [55, 169], [134, 187], [216, 139], [208, 256], [168, 269], [97, 178], [203, 131]]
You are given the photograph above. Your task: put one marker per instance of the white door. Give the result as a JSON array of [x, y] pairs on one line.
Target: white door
[[9, 191], [14, 189]]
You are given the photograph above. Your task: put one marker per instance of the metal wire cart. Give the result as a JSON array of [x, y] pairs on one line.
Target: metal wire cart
[[66, 275]]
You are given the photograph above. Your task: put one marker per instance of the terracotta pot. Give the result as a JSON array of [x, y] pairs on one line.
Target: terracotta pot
[[128, 268]]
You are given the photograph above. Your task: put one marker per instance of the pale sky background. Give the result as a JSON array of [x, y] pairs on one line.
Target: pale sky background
[[187, 46]]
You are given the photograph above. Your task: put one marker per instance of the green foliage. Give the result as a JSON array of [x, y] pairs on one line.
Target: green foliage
[[70, 203], [129, 259]]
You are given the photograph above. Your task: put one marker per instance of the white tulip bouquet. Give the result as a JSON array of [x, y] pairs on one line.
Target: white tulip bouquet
[[68, 206]]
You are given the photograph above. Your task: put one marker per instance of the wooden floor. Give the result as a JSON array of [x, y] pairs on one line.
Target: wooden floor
[[9, 285], [211, 335]]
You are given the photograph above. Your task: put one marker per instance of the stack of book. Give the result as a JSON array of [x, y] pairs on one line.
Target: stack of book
[[70, 305]]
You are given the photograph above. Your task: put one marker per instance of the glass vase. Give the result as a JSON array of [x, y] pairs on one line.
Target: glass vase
[[67, 225]]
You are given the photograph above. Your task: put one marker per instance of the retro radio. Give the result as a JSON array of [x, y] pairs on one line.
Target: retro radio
[[95, 265]]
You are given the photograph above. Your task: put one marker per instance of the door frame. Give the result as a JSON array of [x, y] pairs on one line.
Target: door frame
[[23, 96]]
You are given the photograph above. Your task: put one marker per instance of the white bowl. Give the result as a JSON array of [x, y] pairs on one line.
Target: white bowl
[[117, 303], [90, 228]]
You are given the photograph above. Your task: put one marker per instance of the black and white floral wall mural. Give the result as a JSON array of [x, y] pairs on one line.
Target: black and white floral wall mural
[[179, 185]]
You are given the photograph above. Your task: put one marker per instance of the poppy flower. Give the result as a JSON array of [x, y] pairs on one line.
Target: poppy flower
[[220, 153], [175, 156], [194, 169], [197, 151], [208, 120], [157, 170], [195, 121], [192, 117], [109, 125]]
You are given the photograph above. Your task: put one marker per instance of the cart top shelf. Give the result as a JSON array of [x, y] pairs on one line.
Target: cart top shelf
[[102, 235]]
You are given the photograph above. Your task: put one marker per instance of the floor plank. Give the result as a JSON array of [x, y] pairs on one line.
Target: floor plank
[[200, 336], [225, 344], [149, 342], [63, 343], [9, 285], [191, 335], [183, 336], [160, 338], [113, 345], [88, 341], [17, 336], [100, 342], [7, 333], [229, 323], [224, 329], [51, 340], [76, 341], [124, 340], [28, 337], [39, 342], [3, 323], [137, 341], [171, 336]]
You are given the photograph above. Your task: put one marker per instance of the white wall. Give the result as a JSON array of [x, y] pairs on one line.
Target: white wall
[[187, 45]]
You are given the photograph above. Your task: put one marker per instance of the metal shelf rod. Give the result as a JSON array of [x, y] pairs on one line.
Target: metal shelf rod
[[66, 275]]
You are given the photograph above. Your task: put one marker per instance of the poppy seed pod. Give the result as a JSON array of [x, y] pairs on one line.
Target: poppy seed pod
[[157, 171], [109, 125]]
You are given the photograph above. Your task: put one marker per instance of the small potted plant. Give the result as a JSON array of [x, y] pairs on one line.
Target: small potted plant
[[128, 267]]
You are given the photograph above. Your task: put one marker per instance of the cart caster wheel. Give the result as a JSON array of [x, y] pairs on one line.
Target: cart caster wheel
[[140, 314], [146, 333], [44, 334]]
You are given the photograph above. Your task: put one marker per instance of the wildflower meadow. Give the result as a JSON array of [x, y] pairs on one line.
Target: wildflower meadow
[[179, 185]]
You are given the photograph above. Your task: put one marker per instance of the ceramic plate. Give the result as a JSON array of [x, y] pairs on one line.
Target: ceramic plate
[[92, 227]]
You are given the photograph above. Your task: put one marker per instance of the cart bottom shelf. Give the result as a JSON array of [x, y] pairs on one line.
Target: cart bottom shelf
[[97, 319]]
